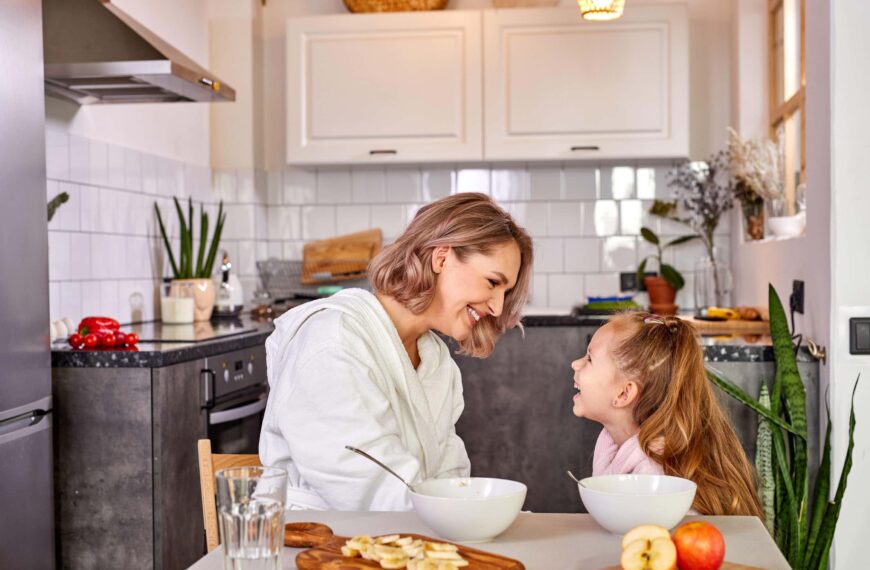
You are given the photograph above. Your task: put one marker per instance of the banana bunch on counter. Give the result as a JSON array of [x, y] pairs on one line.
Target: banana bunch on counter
[[395, 551], [745, 313]]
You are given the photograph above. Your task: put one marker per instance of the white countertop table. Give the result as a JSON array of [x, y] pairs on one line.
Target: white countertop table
[[541, 541]]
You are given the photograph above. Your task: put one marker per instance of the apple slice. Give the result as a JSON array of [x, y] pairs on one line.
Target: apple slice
[[657, 554], [646, 531]]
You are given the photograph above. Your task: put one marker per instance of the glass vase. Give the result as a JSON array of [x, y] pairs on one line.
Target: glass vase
[[753, 220], [713, 282]]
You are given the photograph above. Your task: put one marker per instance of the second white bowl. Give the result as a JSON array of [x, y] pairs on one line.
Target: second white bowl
[[621, 502], [468, 509]]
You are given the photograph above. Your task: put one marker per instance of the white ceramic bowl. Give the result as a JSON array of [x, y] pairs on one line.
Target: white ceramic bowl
[[621, 502], [787, 226], [468, 509]]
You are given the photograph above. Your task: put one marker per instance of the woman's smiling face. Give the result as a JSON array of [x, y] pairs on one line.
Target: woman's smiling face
[[468, 291]]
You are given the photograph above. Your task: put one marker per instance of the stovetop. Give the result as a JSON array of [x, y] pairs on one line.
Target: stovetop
[[159, 332]]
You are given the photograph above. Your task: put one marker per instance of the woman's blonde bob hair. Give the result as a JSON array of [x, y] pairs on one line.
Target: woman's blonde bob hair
[[469, 223]]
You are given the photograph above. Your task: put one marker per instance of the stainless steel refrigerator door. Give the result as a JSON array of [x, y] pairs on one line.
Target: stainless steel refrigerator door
[[27, 511], [25, 361]]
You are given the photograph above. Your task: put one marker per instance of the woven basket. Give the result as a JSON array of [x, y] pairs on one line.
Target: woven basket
[[394, 5]]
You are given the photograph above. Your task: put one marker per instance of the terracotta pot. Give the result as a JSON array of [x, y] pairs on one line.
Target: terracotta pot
[[661, 295], [203, 295]]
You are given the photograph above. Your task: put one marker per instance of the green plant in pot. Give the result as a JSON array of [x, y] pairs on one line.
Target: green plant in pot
[[801, 522], [663, 287], [194, 274]]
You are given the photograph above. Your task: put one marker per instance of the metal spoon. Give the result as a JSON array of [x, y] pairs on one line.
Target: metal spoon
[[576, 480], [370, 458]]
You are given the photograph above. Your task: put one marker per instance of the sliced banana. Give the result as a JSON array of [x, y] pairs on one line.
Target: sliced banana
[[395, 551]]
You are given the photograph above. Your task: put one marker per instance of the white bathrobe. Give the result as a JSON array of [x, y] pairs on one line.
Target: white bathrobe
[[339, 375]]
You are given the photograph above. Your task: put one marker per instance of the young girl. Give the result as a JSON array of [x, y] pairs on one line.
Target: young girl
[[643, 379]]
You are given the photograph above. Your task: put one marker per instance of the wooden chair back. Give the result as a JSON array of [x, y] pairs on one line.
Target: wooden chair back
[[209, 464]]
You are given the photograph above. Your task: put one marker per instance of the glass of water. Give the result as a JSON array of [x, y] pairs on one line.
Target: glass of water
[[250, 502]]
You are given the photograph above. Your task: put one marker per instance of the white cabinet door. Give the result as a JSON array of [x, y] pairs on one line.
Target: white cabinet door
[[558, 87], [384, 88]]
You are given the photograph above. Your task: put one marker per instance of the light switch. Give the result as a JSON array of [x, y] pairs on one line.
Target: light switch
[[859, 335]]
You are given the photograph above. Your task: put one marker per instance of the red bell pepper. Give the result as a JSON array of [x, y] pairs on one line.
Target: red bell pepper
[[98, 325]]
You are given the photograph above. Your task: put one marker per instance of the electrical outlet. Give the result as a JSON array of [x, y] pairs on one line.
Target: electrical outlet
[[797, 296], [628, 281]]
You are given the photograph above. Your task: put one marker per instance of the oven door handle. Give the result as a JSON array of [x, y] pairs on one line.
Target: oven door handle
[[233, 414]]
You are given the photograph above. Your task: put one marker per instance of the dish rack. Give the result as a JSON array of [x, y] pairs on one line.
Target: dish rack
[[282, 279]]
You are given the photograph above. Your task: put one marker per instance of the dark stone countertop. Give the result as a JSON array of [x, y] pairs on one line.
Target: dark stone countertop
[[249, 332]]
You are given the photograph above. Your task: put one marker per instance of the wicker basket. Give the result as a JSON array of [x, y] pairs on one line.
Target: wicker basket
[[394, 5]]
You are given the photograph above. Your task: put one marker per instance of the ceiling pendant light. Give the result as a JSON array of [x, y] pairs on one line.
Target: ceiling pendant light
[[601, 9]]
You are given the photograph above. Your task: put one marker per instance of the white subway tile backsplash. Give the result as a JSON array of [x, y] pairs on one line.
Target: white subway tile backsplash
[[510, 184], [106, 255], [80, 256], [56, 154], [299, 185], [686, 296], [631, 217], [390, 218], [582, 255], [403, 185], [581, 183], [436, 183], [352, 219], [548, 255], [54, 301], [79, 159], [99, 163], [601, 284], [368, 185], [565, 219], [600, 218], [619, 254], [275, 184], [533, 216], [71, 300], [663, 191], [473, 179], [566, 290], [333, 187], [318, 222], [546, 182]]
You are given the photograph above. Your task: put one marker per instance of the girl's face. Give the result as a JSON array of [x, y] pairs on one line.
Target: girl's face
[[472, 290], [596, 378]]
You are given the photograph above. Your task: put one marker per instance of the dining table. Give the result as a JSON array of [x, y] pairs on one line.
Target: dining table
[[541, 541]]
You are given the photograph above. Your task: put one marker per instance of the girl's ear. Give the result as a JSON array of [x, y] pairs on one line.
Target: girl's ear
[[439, 258], [627, 395]]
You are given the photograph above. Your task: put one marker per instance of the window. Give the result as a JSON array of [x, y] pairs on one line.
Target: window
[[787, 60]]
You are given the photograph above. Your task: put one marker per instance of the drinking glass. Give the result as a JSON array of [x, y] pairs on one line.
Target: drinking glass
[[250, 503]]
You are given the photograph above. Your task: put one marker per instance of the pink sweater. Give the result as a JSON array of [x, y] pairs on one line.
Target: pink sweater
[[625, 459]]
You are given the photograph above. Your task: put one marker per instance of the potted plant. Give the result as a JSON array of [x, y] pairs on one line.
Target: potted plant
[[757, 167], [662, 288], [801, 522], [187, 272]]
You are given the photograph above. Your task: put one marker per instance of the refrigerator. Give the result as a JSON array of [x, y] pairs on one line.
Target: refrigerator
[[26, 495]]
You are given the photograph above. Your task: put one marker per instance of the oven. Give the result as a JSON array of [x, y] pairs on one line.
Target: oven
[[234, 392]]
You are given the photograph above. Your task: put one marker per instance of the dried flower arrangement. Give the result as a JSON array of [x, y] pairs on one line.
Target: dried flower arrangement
[[757, 166]]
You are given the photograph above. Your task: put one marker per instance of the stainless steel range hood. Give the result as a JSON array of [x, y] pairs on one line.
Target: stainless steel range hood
[[97, 53]]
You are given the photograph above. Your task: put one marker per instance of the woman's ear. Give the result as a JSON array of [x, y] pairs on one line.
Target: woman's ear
[[627, 395], [439, 258]]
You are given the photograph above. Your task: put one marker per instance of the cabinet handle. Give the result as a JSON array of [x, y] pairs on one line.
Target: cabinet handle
[[573, 148], [383, 151]]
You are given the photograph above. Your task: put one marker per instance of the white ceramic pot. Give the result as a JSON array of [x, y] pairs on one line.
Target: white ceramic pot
[[468, 509], [787, 226]]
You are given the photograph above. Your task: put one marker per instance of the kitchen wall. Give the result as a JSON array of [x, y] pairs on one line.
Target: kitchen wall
[[105, 255]]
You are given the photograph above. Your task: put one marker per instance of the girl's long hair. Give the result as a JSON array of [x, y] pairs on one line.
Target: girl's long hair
[[682, 426]]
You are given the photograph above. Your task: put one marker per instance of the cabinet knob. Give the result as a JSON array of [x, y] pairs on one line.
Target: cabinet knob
[[574, 148], [383, 151]]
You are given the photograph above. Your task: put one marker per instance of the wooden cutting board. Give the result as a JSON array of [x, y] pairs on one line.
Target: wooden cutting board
[[340, 258], [325, 551], [731, 326]]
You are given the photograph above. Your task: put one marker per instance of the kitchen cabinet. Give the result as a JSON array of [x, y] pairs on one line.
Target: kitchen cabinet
[[558, 87], [374, 88]]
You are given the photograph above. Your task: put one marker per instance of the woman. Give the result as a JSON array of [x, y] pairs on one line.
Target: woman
[[368, 370]]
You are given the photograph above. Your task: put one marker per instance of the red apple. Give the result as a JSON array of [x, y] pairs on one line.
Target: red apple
[[700, 546]]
